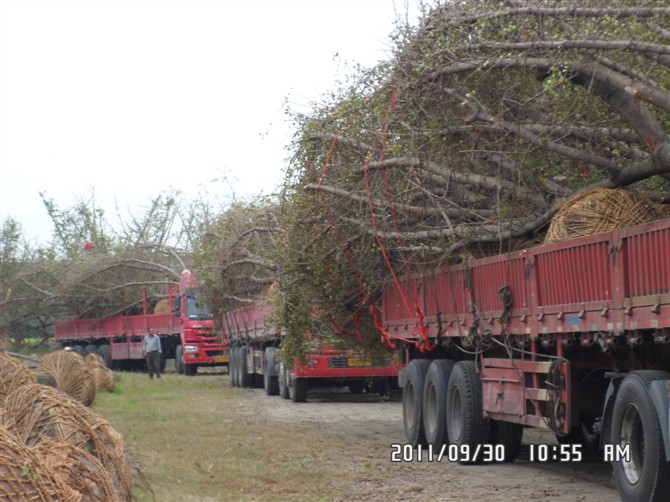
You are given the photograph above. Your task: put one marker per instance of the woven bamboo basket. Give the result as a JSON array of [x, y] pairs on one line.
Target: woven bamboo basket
[[600, 210], [25, 477], [162, 306], [13, 374], [95, 361], [36, 412], [71, 373], [78, 469], [104, 379]]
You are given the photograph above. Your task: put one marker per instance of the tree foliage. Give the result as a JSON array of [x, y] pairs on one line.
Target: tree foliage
[[236, 259]]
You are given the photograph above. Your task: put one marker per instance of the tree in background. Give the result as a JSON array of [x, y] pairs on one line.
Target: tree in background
[[91, 268]]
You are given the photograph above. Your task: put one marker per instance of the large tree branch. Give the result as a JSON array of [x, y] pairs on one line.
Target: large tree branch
[[418, 211], [358, 147], [558, 13], [251, 261], [616, 45], [589, 68], [481, 181]]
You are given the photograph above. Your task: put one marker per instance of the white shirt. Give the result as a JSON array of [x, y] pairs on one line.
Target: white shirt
[[152, 343]]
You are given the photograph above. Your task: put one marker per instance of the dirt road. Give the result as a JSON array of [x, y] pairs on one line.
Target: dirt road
[[373, 424]]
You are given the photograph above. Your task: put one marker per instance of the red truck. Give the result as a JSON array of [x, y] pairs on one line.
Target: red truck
[[572, 337], [186, 331], [254, 360]]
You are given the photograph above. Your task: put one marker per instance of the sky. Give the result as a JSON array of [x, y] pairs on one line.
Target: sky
[[127, 99]]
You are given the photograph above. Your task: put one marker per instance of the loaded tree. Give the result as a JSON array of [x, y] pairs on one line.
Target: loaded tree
[[487, 118]]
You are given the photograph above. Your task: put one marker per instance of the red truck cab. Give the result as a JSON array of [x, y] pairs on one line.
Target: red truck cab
[[199, 344]]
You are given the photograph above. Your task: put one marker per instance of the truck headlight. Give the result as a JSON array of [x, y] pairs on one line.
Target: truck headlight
[[190, 348]]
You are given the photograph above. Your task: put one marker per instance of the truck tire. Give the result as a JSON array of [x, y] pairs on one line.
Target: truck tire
[[179, 360], [645, 473], [435, 401], [189, 369], [298, 389], [283, 381], [412, 402], [246, 378], [257, 372], [466, 424], [380, 387], [105, 355], [237, 367], [240, 369], [90, 349], [232, 367], [509, 435], [583, 434], [78, 349], [270, 382]]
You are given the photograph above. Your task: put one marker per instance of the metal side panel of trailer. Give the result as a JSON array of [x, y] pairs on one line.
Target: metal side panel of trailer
[[85, 329], [609, 282]]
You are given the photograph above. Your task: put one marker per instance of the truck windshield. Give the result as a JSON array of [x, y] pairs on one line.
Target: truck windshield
[[196, 309]]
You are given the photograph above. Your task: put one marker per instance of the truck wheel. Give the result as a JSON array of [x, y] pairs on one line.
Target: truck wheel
[[238, 364], [645, 473], [509, 435], [179, 360], [232, 367], [103, 352], [412, 402], [237, 367], [270, 382], [78, 349], [298, 390], [381, 387], [435, 401], [283, 381], [583, 434], [90, 349], [466, 424], [246, 378], [190, 369]]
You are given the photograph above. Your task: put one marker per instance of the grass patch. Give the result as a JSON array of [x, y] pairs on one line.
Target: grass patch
[[194, 439]]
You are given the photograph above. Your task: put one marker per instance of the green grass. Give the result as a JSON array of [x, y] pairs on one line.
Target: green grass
[[195, 439]]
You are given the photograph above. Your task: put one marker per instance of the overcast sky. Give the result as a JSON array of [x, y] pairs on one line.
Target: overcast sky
[[132, 97]]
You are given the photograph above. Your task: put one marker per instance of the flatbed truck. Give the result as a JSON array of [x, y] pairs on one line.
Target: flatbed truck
[[186, 331]]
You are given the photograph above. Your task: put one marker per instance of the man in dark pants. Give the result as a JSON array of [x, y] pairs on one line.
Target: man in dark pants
[[153, 352]]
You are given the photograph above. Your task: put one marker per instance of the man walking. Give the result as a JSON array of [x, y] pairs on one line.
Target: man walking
[[153, 352]]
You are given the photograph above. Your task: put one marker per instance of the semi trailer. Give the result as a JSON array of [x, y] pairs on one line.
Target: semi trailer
[[571, 337]]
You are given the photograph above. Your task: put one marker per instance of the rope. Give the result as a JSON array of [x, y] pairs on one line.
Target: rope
[[420, 329]]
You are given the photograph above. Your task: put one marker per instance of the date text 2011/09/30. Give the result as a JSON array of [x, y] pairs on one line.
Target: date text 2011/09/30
[[448, 452]]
